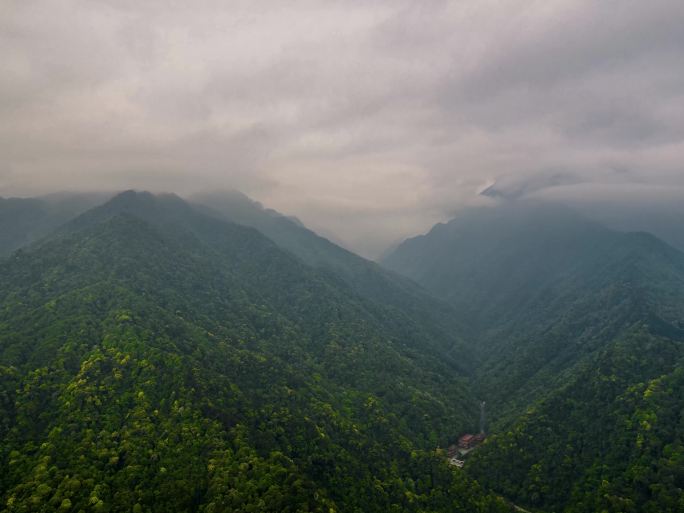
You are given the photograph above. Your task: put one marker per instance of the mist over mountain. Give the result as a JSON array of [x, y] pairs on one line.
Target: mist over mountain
[[618, 204], [26, 220], [372, 121], [342, 257]]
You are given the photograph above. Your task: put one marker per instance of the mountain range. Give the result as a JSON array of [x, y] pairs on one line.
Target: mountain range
[[157, 358], [209, 354]]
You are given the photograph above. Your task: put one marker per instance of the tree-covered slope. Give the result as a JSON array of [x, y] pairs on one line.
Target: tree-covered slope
[[156, 359], [514, 264], [362, 276], [582, 335], [610, 440], [287, 232], [640, 281], [544, 289]]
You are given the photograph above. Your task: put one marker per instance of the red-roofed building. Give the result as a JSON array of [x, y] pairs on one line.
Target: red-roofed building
[[469, 441]]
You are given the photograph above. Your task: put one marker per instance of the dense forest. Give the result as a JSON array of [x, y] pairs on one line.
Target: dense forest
[[156, 358], [611, 439], [342, 256], [581, 344], [214, 355]]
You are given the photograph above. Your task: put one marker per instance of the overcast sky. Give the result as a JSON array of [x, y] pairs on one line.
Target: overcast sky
[[370, 119]]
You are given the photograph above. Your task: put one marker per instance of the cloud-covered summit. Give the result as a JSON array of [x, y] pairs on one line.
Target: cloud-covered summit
[[371, 119]]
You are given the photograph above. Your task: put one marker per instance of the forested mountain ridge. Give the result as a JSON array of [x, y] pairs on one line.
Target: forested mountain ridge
[[365, 277], [502, 265], [610, 439], [155, 359], [161, 355], [25, 220], [582, 334], [412, 310], [544, 287]]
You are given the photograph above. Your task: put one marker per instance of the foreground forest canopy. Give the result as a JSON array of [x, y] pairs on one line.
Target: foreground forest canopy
[[157, 358], [160, 354]]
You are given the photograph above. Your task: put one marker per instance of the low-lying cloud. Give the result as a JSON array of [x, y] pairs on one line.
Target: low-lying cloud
[[369, 119]]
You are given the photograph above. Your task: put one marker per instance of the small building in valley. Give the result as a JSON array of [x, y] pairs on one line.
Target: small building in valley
[[468, 441]]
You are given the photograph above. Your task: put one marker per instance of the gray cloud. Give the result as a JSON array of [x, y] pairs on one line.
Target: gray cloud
[[372, 120]]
